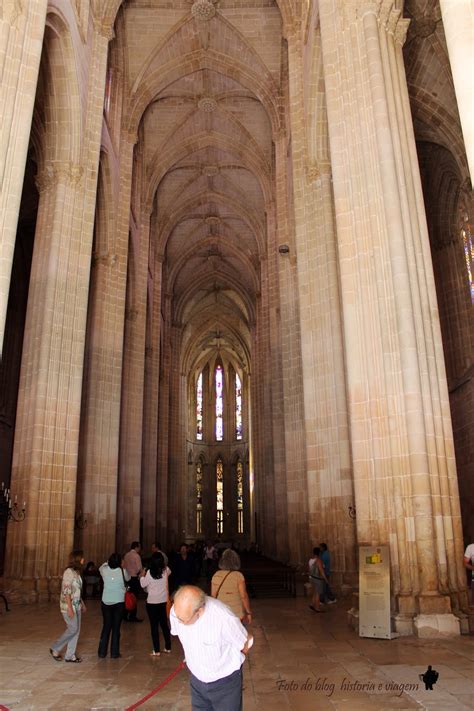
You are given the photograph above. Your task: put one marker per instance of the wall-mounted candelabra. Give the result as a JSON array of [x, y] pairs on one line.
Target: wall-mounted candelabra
[[9, 507], [80, 521]]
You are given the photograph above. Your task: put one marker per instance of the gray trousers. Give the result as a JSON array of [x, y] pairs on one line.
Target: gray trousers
[[70, 635], [221, 695]]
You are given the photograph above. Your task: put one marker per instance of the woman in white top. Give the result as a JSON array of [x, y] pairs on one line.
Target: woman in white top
[[155, 582]]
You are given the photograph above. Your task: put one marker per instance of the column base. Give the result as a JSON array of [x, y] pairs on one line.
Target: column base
[[430, 626], [26, 591]]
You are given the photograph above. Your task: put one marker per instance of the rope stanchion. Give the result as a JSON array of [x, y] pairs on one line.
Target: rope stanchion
[[158, 688]]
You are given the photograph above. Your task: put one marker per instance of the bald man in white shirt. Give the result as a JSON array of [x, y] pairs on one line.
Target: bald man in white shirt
[[215, 644]]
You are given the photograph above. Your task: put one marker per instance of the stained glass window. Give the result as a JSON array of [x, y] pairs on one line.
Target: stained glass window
[[219, 404], [238, 407], [199, 497], [220, 496], [240, 497], [199, 407], [468, 244]]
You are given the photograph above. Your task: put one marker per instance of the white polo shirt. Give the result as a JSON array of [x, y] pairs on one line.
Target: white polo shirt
[[212, 644]]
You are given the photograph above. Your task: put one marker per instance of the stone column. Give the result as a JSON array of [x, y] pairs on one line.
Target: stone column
[[150, 406], [403, 456], [326, 443], [131, 422], [458, 23], [101, 398], [21, 38], [271, 330], [49, 401], [177, 456], [164, 533]]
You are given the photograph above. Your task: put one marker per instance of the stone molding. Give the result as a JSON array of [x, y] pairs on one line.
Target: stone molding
[[57, 172]]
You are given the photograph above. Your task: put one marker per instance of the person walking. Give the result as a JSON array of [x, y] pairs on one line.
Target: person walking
[[228, 585], [215, 644], [133, 565], [469, 565], [71, 606], [318, 579], [328, 594], [155, 582], [112, 605]]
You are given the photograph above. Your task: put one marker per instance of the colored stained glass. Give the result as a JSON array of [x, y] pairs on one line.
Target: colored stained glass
[[199, 497], [199, 407], [220, 496], [240, 497], [219, 404], [469, 255], [238, 407]]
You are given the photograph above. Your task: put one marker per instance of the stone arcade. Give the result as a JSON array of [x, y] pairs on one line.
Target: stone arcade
[[236, 283]]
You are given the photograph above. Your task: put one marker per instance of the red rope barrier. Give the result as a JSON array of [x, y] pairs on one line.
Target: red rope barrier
[[158, 688]]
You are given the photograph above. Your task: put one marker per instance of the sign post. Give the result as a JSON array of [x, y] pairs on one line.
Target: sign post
[[374, 592]]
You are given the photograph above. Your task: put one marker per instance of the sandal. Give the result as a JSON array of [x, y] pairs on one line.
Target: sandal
[[57, 657], [74, 660]]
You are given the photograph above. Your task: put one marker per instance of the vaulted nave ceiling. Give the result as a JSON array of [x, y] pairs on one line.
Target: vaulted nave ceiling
[[205, 96]]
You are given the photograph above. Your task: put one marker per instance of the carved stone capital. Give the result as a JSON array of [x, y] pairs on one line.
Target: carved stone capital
[[56, 172], [13, 11], [103, 28], [401, 30], [315, 171], [107, 259]]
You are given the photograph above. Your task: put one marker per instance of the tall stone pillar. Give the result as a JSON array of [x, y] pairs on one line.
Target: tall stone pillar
[[270, 334], [326, 443], [150, 406], [49, 401], [131, 422], [162, 484], [21, 38], [458, 23], [403, 457], [100, 411]]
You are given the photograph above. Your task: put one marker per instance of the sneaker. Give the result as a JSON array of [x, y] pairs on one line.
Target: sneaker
[[155, 654], [331, 602], [167, 651]]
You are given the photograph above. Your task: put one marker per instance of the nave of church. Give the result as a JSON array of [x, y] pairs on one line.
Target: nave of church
[[236, 287]]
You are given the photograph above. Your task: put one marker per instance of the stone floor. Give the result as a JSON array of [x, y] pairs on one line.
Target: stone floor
[[300, 661]]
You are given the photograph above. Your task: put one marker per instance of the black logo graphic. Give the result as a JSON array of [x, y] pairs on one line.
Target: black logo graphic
[[429, 678]]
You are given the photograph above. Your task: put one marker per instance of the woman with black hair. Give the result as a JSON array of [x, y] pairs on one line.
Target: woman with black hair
[[115, 578], [155, 582]]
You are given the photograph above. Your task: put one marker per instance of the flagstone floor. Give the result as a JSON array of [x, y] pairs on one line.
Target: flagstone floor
[[300, 660]]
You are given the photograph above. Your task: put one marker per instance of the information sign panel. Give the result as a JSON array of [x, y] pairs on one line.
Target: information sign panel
[[374, 592]]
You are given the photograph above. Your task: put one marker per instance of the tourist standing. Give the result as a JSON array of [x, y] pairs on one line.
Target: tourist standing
[[71, 606]]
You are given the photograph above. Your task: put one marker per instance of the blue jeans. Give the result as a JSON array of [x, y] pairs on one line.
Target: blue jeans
[[221, 695], [70, 634]]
